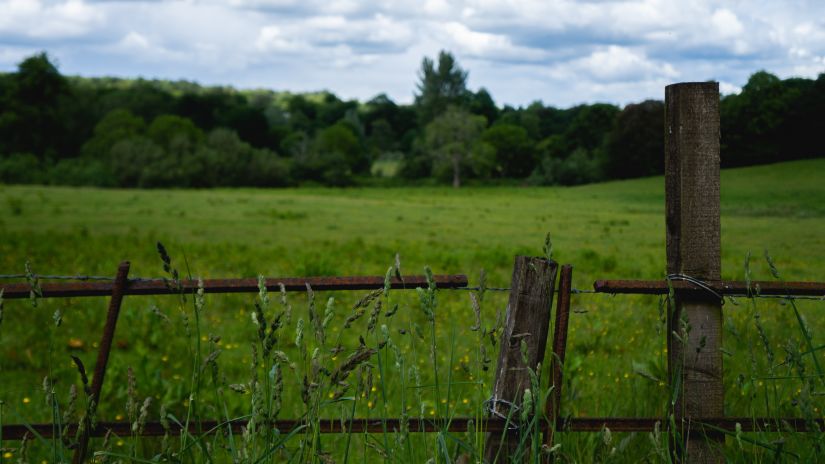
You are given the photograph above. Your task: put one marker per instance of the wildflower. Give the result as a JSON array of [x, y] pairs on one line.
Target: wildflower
[[27, 400]]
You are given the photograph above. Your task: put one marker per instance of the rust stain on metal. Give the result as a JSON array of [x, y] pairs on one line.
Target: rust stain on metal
[[559, 347], [118, 288], [291, 284], [724, 287]]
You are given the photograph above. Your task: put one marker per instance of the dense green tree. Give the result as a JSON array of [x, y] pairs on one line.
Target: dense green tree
[[513, 150], [580, 167], [81, 131], [440, 86], [250, 124], [296, 144], [403, 121], [117, 125], [452, 140], [770, 120], [341, 139], [301, 113], [140, 162], [382, 137], [205, 108], [590, 125], [169, 130], [636, 146], [31, 119], [332, 109], [481, 103], [22, 168], [141, 97]]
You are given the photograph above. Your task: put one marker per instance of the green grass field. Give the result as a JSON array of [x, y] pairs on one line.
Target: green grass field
[[616, 357]]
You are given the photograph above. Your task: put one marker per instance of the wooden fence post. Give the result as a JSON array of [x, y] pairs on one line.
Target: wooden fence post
[[694, 250], [527, 320]]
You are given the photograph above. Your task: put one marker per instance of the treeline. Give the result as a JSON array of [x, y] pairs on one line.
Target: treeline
[[110, 132]]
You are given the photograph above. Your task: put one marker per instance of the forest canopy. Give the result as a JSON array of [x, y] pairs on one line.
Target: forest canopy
[[110, 132]]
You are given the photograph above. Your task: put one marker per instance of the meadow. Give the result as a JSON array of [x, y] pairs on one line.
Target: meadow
[[616, 350]]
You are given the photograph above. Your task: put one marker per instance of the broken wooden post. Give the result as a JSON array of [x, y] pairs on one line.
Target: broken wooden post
[[526, 321], [694, 251]]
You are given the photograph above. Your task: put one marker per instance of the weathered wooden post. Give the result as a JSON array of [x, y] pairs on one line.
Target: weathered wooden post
[[694, 250], [527, 320]]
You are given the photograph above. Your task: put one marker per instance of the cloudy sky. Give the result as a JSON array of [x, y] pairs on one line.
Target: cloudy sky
[[562, 52]]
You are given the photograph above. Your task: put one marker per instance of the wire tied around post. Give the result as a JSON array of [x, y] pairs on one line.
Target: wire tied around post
[[491, 404], [699, 283]]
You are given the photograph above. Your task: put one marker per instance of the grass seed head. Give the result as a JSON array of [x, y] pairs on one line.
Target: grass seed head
[[329, 312], [299, 333], [476, 311], [81, 369], [131, 394], [373, 319]]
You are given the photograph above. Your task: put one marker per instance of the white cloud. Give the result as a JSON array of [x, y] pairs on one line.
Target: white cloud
[[488, 46], [318, 37], [48, 20], [615, 64], [560, 51]]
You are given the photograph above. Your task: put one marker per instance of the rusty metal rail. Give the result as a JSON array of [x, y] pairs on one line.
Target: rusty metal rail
[[122, 286], [458, 424], [291, 284], [724, 287]]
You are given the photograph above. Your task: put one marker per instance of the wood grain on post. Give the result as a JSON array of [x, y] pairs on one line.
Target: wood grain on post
[[694, 249], [527, 320]]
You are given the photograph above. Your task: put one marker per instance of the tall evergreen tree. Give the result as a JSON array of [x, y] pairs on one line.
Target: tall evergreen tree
[[440, 87]]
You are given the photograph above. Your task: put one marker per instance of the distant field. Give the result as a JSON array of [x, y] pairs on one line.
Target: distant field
[[610, 230]]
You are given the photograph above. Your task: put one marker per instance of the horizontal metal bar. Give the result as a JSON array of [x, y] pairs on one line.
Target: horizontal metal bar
[[292, 284], [724, 287], [459, 424]]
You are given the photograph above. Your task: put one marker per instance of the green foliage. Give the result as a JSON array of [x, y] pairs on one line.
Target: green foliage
[[339, 139], [580, 167], [21, 168], [440, 86], [514, 151], [174, 132], [636, 146], [453, 141], [71, 125], [35, 97], [117, 125], [772, 120], [482, 104]]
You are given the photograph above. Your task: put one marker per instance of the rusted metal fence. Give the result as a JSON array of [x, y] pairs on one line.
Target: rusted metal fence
[[497, 424], [693, 252]]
